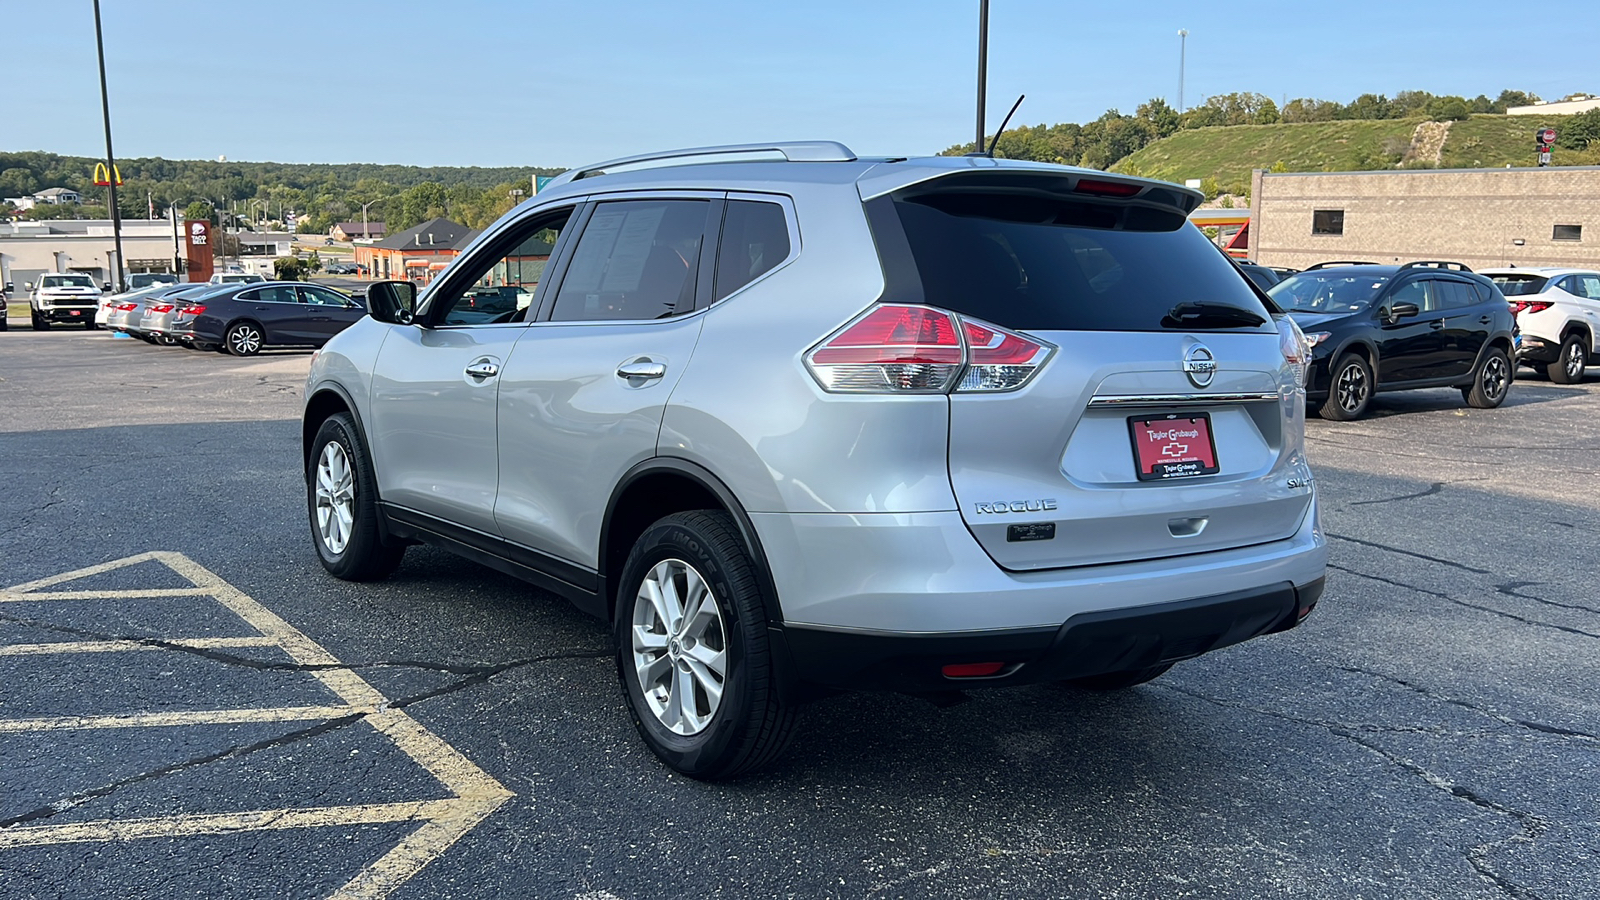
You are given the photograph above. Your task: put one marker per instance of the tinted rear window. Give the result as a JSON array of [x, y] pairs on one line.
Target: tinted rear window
[[1513, 285], [1042, 263]]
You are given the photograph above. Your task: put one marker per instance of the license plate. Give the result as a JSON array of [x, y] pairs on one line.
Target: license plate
[[76, 313], [1173, 446]]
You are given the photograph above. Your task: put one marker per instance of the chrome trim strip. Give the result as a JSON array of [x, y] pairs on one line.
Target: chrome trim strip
[[1131, 401]]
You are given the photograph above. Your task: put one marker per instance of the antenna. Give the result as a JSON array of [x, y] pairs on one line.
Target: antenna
[[995, 142]]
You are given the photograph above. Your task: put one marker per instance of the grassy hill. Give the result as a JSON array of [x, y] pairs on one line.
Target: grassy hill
[[1228, 154]]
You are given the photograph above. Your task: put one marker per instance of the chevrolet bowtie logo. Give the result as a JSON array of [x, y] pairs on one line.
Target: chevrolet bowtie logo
[[1174, 449]]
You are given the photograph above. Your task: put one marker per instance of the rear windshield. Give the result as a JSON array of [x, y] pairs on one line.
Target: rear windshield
[[1513, 285], [1039, 263], [1327, 292]]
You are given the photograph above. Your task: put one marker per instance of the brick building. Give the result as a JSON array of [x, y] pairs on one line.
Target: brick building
[[1481, 217], [418, 253]]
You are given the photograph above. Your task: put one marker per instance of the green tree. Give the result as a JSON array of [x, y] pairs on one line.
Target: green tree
[[1369, 106], [1448, 109], [1581, 132], [312, 264], [199, 209], [1508, 99], [287, 268], [1156, 111]]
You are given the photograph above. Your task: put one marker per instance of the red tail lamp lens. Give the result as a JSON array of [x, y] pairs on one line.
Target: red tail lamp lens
[[193, 311], [973, 670], [161, 309]]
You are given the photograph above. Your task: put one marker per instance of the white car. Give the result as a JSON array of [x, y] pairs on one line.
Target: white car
[[1558, 311], [63, 297], [236, 278]]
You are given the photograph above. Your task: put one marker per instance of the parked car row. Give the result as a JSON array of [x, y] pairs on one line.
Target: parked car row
[[237, 318]]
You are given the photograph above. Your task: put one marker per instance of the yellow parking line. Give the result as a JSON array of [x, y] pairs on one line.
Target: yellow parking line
[[223, 823], [15, 596], [119, 646], [183, 717], [443, 822]]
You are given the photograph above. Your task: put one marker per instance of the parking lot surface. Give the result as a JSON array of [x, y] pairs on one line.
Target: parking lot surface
[[192, 706]]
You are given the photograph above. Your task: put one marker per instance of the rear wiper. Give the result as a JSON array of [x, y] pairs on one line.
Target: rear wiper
[[1210, 315]]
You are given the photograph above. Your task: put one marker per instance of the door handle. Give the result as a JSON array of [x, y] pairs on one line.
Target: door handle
[[645, 370], [483, 368], [1436, 325], [1484, 320]]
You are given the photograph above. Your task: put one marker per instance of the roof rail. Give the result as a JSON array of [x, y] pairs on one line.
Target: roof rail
[[792, 151], [1340, 262], [1435, 264]]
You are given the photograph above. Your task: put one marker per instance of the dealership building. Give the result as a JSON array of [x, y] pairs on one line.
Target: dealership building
[[1480, 217], [30, 249]]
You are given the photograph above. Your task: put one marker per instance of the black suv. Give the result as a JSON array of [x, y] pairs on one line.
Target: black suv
[[1389, 328]]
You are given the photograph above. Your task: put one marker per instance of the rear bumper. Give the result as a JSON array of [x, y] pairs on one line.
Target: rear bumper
[[1537, 349], [1091, 643], [923, 573]]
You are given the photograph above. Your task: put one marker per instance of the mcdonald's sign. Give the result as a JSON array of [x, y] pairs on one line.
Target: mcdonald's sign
[[102, 177]]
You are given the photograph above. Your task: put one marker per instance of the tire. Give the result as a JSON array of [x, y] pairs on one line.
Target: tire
[[1491, 383], [1116, 681], [1568, 366], [1349, 390], [339, 476], [700, 557], [243, 339], [40, 323]]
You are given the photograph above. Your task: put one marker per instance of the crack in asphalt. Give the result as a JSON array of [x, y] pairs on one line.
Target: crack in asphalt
[[1468, 705], [26, 518], [1434, 489], [1530, 827], [1477, 606], [481, 676], [1512, 588], [1412, 553]]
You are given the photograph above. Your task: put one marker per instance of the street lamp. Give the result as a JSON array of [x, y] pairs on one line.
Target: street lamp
[[364, 232], [983, 67], [111, 161], [1183, 47], [516, 195]]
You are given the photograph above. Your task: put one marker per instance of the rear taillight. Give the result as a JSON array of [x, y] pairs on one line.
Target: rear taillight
[[997, 359], [1295, 348], [191, 311], [923, 350], [164, 308], [125, 307], [1533, 306]]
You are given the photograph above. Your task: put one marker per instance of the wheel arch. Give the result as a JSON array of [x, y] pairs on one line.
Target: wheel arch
[[325, 400], [659, 487], [1580, 327]]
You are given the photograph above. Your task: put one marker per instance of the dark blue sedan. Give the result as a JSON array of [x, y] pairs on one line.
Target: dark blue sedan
[[246, 318]]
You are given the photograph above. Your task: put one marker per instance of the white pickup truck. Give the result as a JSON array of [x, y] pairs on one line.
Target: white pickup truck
[[65, 297]]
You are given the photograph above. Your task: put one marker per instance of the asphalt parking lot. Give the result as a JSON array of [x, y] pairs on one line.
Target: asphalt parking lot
[[191, 706]]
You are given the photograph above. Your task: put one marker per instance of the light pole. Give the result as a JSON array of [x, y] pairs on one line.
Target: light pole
[[111, 161], [364, 233], [983, 68], [1183, 47]]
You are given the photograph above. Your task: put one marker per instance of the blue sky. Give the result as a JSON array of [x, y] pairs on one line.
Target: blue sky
[[476, 82]]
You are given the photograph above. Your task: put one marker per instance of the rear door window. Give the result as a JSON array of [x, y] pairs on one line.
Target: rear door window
[[1046, 263], [1590, 285], [274, 294], [636, 259], [1454, 294]]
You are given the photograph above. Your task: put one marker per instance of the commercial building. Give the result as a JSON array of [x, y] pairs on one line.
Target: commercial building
[[418, 253], [357, 231], [29, 249], [1480, 217]]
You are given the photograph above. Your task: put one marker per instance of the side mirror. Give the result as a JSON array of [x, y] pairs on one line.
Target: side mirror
[[1402, 311], [394, 302], [27, 286], [105, 286], [10, 287]]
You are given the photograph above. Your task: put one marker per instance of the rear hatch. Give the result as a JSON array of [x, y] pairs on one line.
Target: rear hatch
[[1163, 350]]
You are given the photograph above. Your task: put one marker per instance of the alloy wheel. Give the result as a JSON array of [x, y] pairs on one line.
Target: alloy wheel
[[1496, 376], [336, 498], [680, 647], [244, 340], [1576, 357], [1352, 388]]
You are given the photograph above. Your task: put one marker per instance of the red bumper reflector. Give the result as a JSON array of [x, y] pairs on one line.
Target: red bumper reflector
[[973, 670]]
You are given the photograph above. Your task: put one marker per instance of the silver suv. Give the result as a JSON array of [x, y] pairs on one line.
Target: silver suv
[[794, 421]]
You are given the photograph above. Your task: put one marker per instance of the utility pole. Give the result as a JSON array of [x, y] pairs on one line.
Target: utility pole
[[111, 161], [1183, 48], [177, 258], [983, 67]]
